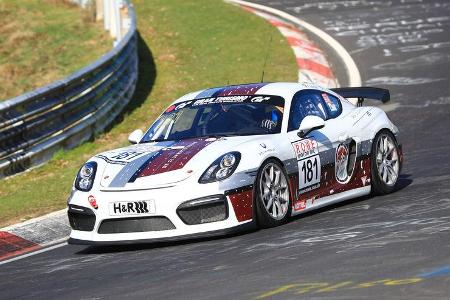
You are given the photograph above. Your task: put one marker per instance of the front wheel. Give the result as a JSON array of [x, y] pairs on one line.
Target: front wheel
[[385, 163], [273, 205]]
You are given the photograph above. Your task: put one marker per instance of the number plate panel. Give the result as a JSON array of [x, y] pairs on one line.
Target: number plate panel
[[309, 170], [131, 208]]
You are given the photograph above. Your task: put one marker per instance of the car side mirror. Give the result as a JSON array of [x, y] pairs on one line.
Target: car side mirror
[[309, 124], [135, 136]]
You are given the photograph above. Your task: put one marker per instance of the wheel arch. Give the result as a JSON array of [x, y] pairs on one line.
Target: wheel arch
[[385, 129]]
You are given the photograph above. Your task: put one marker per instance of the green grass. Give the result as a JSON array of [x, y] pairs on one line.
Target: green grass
[[194, 45], [42, 41]]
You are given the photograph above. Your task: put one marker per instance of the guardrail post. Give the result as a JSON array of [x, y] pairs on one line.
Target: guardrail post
[[99, 11], [106, 14], [118, 21]]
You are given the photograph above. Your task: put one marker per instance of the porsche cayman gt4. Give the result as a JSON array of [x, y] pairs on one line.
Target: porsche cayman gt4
[[221, 158]]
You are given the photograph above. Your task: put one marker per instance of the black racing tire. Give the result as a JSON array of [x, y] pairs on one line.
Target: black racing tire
[[272, 189], [385, 163]]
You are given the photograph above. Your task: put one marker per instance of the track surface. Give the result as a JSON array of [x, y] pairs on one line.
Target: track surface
[[399, 242]]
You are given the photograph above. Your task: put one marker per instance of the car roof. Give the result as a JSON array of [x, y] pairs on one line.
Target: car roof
[[283, 89]]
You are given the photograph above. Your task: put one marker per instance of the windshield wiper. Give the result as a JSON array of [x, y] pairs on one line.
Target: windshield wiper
[[212, 136], [154, 141]]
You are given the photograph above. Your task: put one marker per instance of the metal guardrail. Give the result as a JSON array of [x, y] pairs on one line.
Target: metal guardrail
[[67, 112]]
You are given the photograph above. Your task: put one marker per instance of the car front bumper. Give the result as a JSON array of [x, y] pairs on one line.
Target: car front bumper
[[141, 228]]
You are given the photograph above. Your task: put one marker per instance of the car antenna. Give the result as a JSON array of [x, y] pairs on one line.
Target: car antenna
[[267, 56]]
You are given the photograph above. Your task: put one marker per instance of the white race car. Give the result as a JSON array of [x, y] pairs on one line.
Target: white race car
[[221, 158]]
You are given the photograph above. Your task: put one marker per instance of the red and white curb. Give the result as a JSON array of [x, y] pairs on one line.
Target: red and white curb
[[311, 60], [312, 63], [34, 234]]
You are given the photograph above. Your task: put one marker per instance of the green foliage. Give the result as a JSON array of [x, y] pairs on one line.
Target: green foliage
[[42, 41]]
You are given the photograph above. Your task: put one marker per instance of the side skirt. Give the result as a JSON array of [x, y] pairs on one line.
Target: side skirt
[[328, 200]]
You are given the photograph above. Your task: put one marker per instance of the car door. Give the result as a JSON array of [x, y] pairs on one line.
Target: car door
[[315, 152]]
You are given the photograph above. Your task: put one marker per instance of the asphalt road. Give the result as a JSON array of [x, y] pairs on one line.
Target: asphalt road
[[391, 247]]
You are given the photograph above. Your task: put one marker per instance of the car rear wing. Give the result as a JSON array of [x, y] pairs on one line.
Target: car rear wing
[[364, 92]]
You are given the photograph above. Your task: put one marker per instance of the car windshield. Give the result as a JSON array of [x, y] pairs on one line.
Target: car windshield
[[218, 116]]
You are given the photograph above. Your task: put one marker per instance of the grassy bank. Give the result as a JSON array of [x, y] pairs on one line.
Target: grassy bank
[[184, 46], [42, 41]]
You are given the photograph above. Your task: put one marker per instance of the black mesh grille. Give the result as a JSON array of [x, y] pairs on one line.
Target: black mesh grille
[[81, 218], [203, 213], [138, 224]]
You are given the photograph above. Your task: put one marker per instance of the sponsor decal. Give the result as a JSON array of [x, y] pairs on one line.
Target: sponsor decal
[[229, 99], [361, 114], [266, 151], [170, 108], [121, 157], [341, 163], [182, 105], [309, 173], [92, 201], [300, 205], [309, 166], [309, 189], [220, 100], [126, 155], [109, 161], [260, 99], [329, 103], [131, 208], [305, 148], [304, 203]]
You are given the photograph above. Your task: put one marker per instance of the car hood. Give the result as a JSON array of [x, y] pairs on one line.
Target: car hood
[[160, 164]]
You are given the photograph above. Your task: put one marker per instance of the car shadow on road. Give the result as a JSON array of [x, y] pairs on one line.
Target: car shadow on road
[[404, 180], [158, 245]]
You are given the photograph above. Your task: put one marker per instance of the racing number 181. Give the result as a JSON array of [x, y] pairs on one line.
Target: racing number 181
[[309, 171]]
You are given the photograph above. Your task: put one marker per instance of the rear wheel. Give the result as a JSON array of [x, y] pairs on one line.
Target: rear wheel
[[385, 163], [273, 205]]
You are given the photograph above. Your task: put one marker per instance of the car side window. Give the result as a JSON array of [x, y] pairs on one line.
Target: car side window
[[306, 103], [333, 105]]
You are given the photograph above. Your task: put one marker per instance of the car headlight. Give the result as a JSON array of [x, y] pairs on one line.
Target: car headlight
[[85, 177], [221, 168]]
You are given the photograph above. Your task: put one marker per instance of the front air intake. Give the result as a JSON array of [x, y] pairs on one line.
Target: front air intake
[[204, 210], [139, 224], [81, 218]]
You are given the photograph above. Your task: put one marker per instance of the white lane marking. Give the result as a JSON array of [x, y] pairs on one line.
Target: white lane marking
[[33, 253], [352, 70]]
